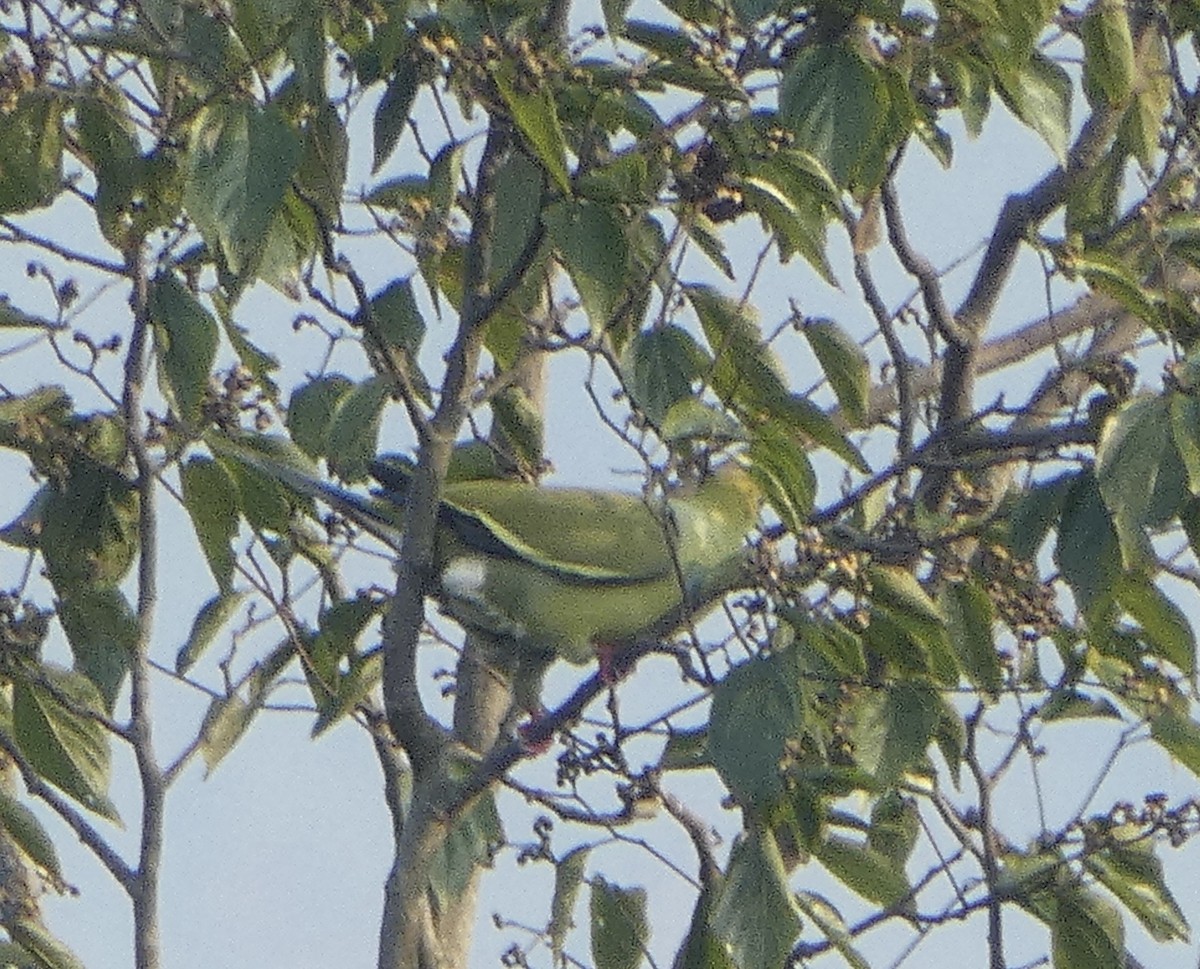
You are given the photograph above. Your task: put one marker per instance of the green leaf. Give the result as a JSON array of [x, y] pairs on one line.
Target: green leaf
[[290, 240], [1108, 57], [264, 500], [260, 363], [755, 712], [1086, 932], [444, 173], [669, 43], [754, 916], [1164, 626], [1036, 512], [898, 594], [697, 76], [262, 27], [971, 79], [785, 474], [568, 877], [746, 371], [471, 844], [311, 409], [51, 404], [1185, 432], [400, 193], [1039, 94], [391, 114], [895, 827], [1136, 450], [892, 726], [240, 160], [1134, 875], [185, 336], [352, 689], [208, 622], [748, 377], [48, 951], [340, 627], [659, 368], [831, 642], [701, 948], [829, 920], [12, 956], [751, 11], [65, 746], [339, 675], [846, 367], [537, 117], [1069, 703], [397, 322], [27, 832], [969, 618], [354, 431], [1179, 735], [13, 317], [1114, 277], [614, 14], [228, 717], [1141, 128], [1088, 552], [837, 106], [703, 233], [102, 631], [31, 147], [521, 424], [872, 875], [211, 498], [224, 724], [950, 736], [89, 528], [686, 749], [110, 144], [627, 178], [322, 168], [592, 245], [619, 926], [1092, 200], [520, 185], [691, 419], [798, 224]]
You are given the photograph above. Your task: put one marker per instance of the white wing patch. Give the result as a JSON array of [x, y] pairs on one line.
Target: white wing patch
[[464, 597], [464, 578]]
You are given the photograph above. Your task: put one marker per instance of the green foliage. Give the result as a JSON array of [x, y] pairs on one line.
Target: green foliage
[[618, 923], [875, 633], [754, 917], [53, 724]]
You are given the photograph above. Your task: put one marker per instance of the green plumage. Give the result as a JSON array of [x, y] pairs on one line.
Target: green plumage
[[561, 571], [591, 567]]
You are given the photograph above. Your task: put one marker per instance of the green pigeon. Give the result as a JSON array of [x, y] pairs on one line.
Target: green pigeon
[[548, 572], [563, 570]]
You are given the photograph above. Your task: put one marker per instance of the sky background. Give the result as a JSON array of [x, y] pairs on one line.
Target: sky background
[[279, 858]]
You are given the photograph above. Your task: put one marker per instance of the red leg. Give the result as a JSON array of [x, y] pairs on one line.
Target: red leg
[[534, 734]]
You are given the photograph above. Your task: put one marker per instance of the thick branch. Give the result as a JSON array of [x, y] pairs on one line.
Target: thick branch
[[1020, 215], [407, 939], [145, 885]]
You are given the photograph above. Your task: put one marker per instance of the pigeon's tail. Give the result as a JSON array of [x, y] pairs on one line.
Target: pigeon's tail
[[282, 462]]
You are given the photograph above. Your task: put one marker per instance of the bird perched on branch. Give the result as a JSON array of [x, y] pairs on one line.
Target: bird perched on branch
[[548, 572]]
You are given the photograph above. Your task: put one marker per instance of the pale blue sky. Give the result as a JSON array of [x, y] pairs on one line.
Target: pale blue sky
[[279, 858]]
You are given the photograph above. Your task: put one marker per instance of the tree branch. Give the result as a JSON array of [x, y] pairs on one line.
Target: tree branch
[[145, 886], [1018, 217], [408, 939]]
